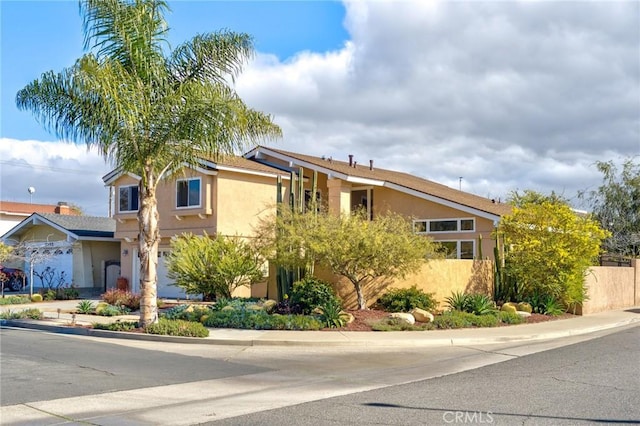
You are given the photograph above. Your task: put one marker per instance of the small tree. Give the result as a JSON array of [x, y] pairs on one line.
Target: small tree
[[352, 246], [213, 267], [550, 248], [616, 206]]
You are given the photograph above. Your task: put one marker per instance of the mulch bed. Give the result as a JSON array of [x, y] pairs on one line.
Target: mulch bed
[[363, 319]]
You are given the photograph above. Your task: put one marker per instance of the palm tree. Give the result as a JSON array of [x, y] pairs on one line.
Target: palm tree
[[150, 111]]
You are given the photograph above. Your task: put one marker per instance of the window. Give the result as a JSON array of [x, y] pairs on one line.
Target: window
[[188, 193], [128, 198], [466, 225], [444, 225], [466, 249], [308, 200], [457, 249]]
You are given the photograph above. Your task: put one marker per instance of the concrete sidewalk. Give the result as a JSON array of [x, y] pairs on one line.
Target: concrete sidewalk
[[59, 318]]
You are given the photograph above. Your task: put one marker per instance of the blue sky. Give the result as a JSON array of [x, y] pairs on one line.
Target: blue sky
[[508, 95], [38, 36]]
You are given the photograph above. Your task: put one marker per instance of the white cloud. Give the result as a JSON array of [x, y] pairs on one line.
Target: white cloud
[[507, 95], [58, 171]]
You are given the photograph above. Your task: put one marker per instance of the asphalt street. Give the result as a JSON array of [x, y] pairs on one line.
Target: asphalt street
[[61, 379], [592, 382]]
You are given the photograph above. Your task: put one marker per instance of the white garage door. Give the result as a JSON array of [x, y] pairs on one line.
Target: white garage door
[[52, 266], [165, 287]]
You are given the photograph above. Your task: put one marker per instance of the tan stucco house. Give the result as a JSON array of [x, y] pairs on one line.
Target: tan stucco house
[[455, 218], [229, 197], [77, 250], [226, 197]]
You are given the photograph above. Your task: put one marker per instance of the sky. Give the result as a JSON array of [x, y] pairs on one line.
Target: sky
[[490, 97]]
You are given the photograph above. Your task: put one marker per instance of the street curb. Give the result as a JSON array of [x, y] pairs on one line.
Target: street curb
[[406, 341]]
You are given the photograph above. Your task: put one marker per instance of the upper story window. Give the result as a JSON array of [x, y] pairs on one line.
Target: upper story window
[[128, 198], [188, 193], [444, 225]]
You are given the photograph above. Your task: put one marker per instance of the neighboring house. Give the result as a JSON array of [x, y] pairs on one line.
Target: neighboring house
[[12, 213], [77, 250], [226, 197], [229, 197], [455, 218]]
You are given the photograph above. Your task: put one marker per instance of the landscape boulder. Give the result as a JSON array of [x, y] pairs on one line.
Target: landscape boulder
[[403, 316], [421, 315]]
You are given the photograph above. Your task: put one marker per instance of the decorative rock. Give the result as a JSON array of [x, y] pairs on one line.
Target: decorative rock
[[422, 315], [349, 318], [255, 308], [524, 307], [228, 308], [403, 316], [269, 305], [523, 314], [509, 307]]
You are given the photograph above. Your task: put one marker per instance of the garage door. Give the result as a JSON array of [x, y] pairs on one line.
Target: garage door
[[166, 289], [52, 266]]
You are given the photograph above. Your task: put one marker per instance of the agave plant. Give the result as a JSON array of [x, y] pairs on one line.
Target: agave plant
[[331, 314], [458, 301], [85, 307], [480, 304]]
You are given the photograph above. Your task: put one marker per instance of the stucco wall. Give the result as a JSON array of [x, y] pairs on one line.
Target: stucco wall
[[611, 288], [440, 277]]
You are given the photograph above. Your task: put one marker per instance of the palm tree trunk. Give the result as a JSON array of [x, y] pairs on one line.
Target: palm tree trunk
[[148, 243]]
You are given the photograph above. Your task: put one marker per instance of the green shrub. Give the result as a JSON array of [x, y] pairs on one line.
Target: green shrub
[[187, 312], [544, 304], [553, 307], [67, 293], [36, 298], [49, 294], [116, 326], [117, 297], [85, 307], [510, 318], [396, 324], [331, 314], [295, 322], [15, 300], [451, 319], [406, 299], [260, 320], [183, 328], [483, 320], [112, 311], [310, 292], [31, 313]]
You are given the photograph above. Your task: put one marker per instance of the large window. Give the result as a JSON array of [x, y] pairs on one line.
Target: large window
[[128, 198], [458, 249], [423, 226], [188, 193]]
